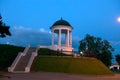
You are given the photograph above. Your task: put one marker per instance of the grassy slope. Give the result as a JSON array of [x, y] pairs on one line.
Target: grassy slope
[[85, 66], [54, 64], [7, 55]]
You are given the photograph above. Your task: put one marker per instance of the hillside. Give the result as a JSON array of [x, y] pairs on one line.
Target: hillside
[[84, 66], [7, 54]]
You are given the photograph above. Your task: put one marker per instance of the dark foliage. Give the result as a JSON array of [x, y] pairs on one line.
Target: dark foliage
[[117, 57], [96, 47], [7, 55], [4, 30]]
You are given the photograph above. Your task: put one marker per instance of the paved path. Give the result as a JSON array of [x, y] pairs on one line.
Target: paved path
[[55, 76]]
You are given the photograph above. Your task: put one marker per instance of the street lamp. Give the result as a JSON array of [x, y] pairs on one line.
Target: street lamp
[[81, 53], [118, 19]]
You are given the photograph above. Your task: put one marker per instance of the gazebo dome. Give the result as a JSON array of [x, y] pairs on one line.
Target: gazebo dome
[[61, 22]]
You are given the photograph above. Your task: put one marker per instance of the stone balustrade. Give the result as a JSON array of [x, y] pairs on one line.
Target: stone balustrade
[[25, 50], [27, 68], [20, 54], [11, 68]]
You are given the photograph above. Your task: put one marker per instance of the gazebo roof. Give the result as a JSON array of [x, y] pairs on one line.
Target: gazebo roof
[[61, 22]]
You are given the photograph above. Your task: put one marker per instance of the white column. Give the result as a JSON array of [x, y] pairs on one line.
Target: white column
[[59, 38], [68, 38], [52, 37], [71, 38]]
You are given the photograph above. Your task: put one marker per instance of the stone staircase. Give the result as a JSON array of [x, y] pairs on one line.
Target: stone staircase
[[22, 63]]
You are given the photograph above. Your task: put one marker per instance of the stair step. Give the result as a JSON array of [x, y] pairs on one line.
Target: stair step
[[22, 63]]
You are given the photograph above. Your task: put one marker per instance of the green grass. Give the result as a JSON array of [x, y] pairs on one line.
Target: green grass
[[7, 55], [84, 66]]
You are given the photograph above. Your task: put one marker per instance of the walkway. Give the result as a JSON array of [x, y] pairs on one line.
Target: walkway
[[56, 76]]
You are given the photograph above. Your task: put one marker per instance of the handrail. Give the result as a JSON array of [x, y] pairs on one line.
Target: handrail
[[34, 54], [25, 50], [11, 68], [20, 54], [27, 68], [37, 49]]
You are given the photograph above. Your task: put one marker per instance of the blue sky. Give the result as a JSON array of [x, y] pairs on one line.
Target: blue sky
[[30, 20]]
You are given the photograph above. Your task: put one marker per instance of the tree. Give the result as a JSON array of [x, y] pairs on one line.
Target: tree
[[4, 30], [96, 47], [117, 57]]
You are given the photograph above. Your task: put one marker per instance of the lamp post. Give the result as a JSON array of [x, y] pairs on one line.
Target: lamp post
[[81, 53]]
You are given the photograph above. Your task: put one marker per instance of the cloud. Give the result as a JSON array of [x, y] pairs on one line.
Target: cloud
[[23, 36], [75, 42], [115, 43], [21, 28], [116, 46], [42, 30]]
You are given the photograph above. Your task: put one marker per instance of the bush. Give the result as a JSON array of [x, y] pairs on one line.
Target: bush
[[7, 55]]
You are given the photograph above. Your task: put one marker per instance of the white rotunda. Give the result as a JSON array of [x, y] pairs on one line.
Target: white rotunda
[[62, 27]]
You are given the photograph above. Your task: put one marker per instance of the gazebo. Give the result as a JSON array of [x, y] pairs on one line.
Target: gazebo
[[62, 27]]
